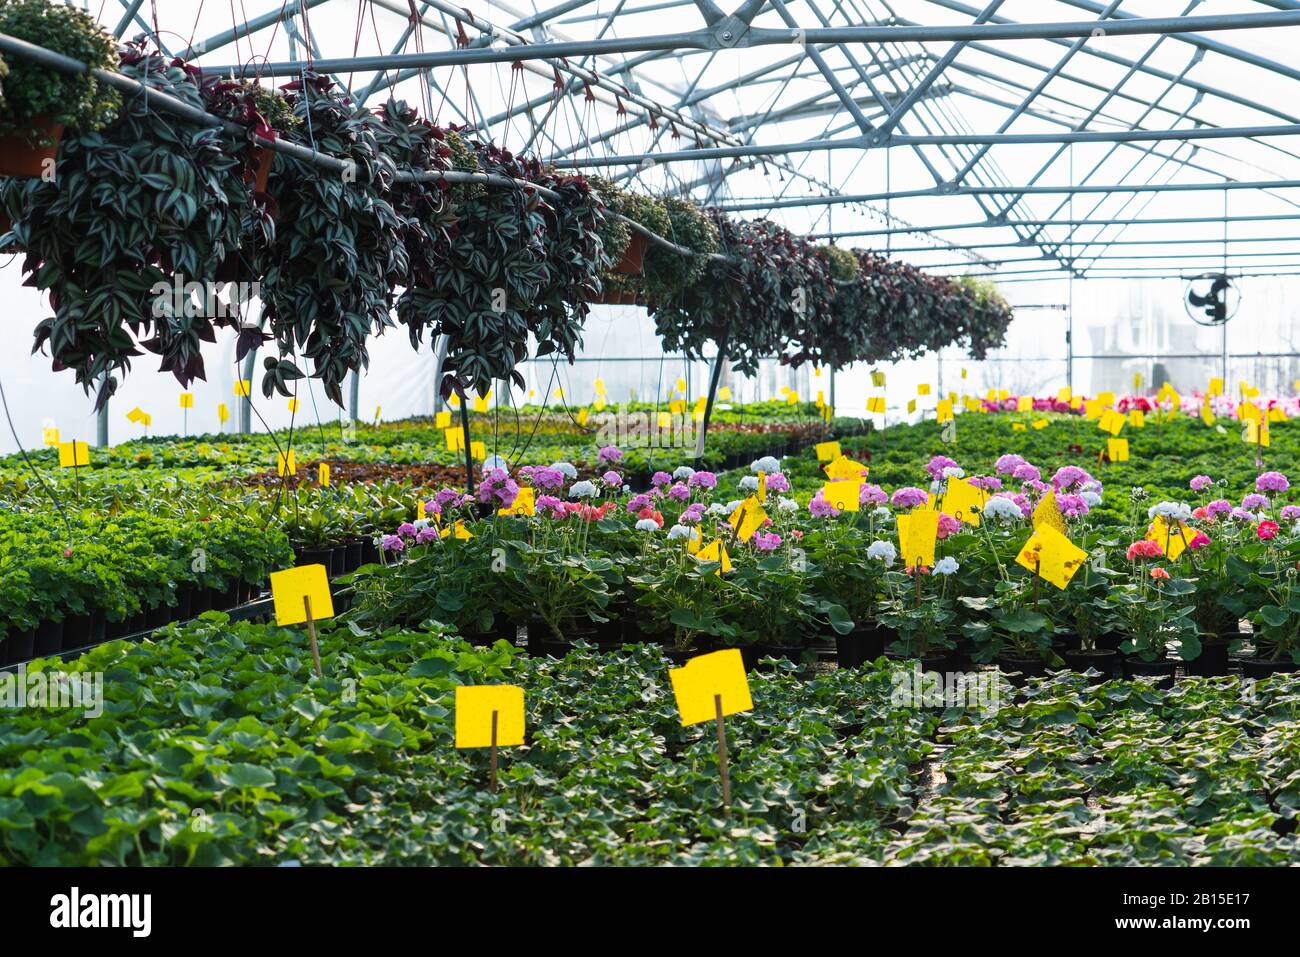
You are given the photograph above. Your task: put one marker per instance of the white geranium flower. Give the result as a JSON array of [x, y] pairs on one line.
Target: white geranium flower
[[734, 504], [946, 566], [495, 462], [749, 483], [421, 523], [881, 514], [717, 508], [767, 463], [583, 489], [683, 472], [1000, 509], [882, 551], [1171, 511], [1091, 498], [647, 525], [678, 532], [566, 469], [953, 471], [784, 504]]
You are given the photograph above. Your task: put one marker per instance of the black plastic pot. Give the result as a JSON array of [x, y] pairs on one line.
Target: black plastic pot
[[354, 553], [859, 646], [1212, 661], [1162, 670], [1102, 659], [184, 603], [1111, 640], [1020, 670], [17, 647], [369, 553], [679, 656], [116, 629], [78, 631], [159, 615], [227, 599], [200, 601], [317, 556], [789, 652], [1265, 667], [49, 639], [137, 623], [940, 661]]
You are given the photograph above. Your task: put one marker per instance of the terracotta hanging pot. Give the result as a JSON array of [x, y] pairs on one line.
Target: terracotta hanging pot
[[265, 158], [19, 158], [633, 257]]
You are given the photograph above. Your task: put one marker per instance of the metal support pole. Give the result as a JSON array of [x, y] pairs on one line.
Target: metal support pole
[[718, 363], [440, 357], [101, 423], [246, 402]]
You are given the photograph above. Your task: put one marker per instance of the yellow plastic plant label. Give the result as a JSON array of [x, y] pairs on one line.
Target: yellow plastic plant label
[[293, 405], [693, 542], [1004, 394], [845, 468], [724, 394], [715, 551], [286, 463], [1248, 411], [878, 380], [323, 475], [292, 587], [442, 420], [964, 501], [991, 395], [876, 405], [943, 411], [923, 388], [843, 494], [1092, 409], [599, 405], [524, 503], [1117, 450], [1137, 418], [827, 451], [1025, 403], [1277, 414], [748, 518], [136, 415], [1215, 387], [963, 372], [223, 413], [1048, 513], [1052, 556], [792, 398], [1040, 423], [581, 417], [917, 531], [707, 681], [475, 706], [187, 400], [242, 387], [50, 437], [73, 454], [1171, 539], [458, 530], [820, 401], [455, 440]]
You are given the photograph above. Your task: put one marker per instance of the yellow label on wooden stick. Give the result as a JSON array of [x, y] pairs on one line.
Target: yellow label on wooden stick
[[1052, 556], [442, 420], [475, 705], [524, 503], [828, 451], [964, 501], [242, 387], [715, 551], [843, 494], [73, 454], [187, 400], [286, 463], [1117, 450], [1048, 513], [917, 531], [702, 681], [748, 518], [292, 587]]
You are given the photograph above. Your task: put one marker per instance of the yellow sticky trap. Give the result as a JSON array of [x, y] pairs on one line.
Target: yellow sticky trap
[[917, 531], [1215, 387], [1076, 403], [242, 387], [442, 420], [964, 501], [1171, 539], [701, 682], [923, 388], [845, 468], [1004, 394], [1137, 418], [73, 454], [455, 439], [475, 705], [792, 398], [1137, 381], [223, 413], [876, 405], [943, 411], [478, 451], [480, 404], [286, 463], [1040, 423], [724, 394], [187, 400], [677, 407], [458, 530], [665, 420], [911, 406], [1107, 399], [599, 405], [581, 417], [1025, 403], [50, 437], [843, 494], [293, 405], [1063, 394], [1052, 556], [1277, 414], [1255, 434], [323, 475], [821, 399], [453, 400], [146, 420], [1112, 422], [680, 386], [1017, 426], [1248, 411], [1117, 450], [377, 410], [599, 386], [1092, 409], [747, 519], [1207, 414], [524, 503], [828, 451], [1048, 513], [290, 587], [136, 415], [693, 542], [878, 380], [715, 551], [761, 494], [963, 372]]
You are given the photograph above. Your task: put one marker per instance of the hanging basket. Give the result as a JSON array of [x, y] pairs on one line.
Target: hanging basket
[[265, 160], [19, 158], [633, 257]]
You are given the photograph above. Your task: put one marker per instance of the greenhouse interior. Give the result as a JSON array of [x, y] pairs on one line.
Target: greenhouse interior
[[628, 433]]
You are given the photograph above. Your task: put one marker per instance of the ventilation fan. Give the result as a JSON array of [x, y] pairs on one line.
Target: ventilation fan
[[1212, 299]]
